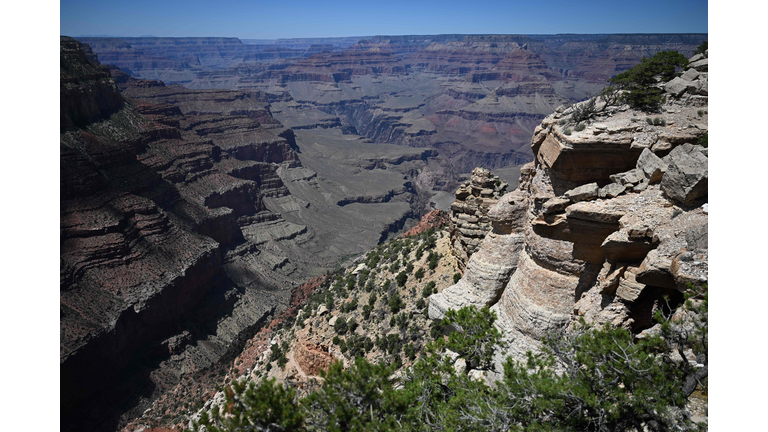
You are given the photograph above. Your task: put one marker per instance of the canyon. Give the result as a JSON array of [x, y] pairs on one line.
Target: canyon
[[205, 180]]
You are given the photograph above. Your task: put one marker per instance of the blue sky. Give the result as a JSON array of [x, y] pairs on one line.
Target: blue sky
[[302, 18]]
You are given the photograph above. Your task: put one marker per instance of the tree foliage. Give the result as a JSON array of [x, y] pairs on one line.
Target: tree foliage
[[474, 338], [255, 407], [701, 48], [592, 379], [640, 83]]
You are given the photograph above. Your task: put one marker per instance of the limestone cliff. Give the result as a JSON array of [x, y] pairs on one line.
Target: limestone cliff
[[606, 222], [469, 220]]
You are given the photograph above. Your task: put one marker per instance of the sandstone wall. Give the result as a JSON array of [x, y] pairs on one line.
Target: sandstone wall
[[469, 213], [607, 222]]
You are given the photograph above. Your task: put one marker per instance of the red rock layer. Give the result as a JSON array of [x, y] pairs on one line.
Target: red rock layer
[[435, 219]]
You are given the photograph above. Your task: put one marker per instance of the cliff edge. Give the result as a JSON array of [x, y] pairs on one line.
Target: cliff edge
[[609, 220]]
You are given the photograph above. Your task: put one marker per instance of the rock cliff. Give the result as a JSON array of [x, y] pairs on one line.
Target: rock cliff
[[607, 222], [469, 213], [186, 218]]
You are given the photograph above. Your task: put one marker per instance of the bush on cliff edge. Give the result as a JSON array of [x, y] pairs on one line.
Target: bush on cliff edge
[[640, 83], [592, 379]]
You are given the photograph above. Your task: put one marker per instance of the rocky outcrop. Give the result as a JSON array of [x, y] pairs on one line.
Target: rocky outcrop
[[434, 220], [312, 358], [606, 224], [469, 213], [87, 93], [159, 238]]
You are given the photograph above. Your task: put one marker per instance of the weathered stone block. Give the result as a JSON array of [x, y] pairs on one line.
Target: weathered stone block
[[652, 166], [611, 190], [583, 193], [687, 174]]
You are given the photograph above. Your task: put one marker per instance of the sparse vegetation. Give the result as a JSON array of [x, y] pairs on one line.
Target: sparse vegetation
[[419, 275], [701, 48], [587, 379], [703, 140], [639, 85]]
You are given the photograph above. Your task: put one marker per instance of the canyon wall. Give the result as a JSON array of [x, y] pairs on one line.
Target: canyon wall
[[186, 218], [608, 223], [476, 99]]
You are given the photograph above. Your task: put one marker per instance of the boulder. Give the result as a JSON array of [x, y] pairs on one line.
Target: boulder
[[655, 270], [322, 310], [629, 178], [640, 186], [652, 166], [702, 87], [583, 193], [629, 288], [676, 86], [700, 65], [690, 75], [687, 174], [611, 190], [697, 238], [555, 205]]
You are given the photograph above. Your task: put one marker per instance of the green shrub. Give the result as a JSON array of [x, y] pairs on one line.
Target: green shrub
[[340, 326], [367, 309], [428, 289], [640, 82], [419, 273], [475, 337], [395, 303], [701, 48], [434, 259], [456, 277], [595, 379], [260, 406], [349, 306], [409, 268], [703, 140], [402, 277], [580, 127], [419, 252], [567, 131]]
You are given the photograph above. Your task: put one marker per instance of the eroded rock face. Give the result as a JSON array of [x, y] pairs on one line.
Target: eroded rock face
[[435, 219], [155, 214], [312, 358], [605, 223], [469, 220]]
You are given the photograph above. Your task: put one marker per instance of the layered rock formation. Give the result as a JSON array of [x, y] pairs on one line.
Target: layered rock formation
[[469, 213], [477, 99], [431, 221], [150, 213], [180, 237], [606, 223]]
